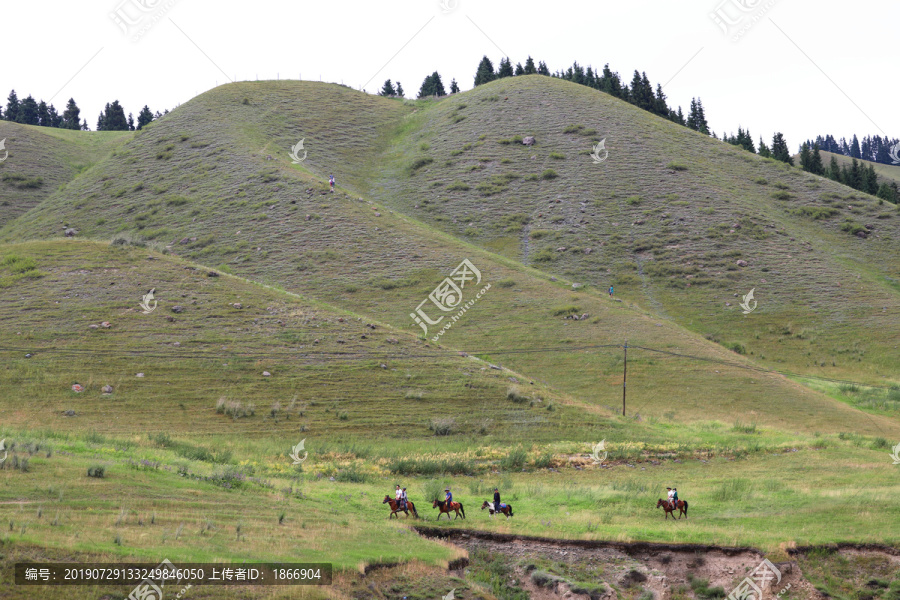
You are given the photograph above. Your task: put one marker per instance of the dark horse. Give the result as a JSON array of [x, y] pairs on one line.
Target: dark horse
[[681, 505], [445, 508], [395, 508], [506, 509]]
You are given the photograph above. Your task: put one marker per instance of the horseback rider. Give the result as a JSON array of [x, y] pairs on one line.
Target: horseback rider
[[403, 499], [671, 494], [448, 498], [496, 500], [398, 494]]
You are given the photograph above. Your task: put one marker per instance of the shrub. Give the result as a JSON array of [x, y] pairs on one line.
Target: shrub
[[442, 426], [744, 428], [458, 186], [549, 174], [22, 181], [98, 471], [781, 195], [419, 162], [557, 155], [506, 283], [676, 166], [515, 459], [515, 394]]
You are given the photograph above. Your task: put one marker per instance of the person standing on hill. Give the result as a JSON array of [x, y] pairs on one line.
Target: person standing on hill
[[610, 291], [331, 182]]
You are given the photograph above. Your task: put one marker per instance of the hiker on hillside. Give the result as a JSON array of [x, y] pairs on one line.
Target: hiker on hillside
[[496, 500], [331, 182], [610, 290], [671, 494]]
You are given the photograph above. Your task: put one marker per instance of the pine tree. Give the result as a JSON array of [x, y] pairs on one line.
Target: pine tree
[[388, 89], [28, 112], [144, 117], [816, 166], [519, 69], [505, 69], [432, 86], [130, 122], [529, 66], [71, 117], [84, 125], [454, 87], [889, 192], [805, 157], [833, 171], [12, 106], [854, 148], [780, 149], [542, 69], [55, 119], [854, 178], [112, 118], [679, 117], [763, 149], [43, 115], [485, 72], [701, 118], [400, 92], [870, 180]]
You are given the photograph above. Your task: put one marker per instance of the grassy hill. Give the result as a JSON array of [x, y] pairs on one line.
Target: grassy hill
[[284, 315], [885, 172], [41, 159]]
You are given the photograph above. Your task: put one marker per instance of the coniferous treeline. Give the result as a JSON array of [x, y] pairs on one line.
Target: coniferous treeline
[[871, 148], [112, 117]]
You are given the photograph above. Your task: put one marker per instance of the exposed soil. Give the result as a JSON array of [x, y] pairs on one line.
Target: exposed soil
[[630, 568]]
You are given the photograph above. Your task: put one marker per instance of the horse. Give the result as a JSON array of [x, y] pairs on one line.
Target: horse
[[444, 508], [395, 507], [681, 505], [505, 509]]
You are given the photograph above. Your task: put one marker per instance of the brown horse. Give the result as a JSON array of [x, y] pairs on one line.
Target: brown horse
[[506, 510], [681, 505], [445, 508], [395, 508]]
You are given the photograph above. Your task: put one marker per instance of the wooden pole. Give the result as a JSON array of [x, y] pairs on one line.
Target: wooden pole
[[624, 375]]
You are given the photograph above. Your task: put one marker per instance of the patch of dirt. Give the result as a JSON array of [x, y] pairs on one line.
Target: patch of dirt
[[660, 568]]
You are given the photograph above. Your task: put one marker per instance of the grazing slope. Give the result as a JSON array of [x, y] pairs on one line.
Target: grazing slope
[[41, 159]]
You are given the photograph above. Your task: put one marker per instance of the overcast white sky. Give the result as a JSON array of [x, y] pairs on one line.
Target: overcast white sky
[[803, 67]]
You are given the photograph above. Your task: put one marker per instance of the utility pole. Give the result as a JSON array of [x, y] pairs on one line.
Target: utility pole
[[624, 375]]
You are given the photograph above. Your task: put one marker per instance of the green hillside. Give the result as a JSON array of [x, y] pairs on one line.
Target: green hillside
[[885, 172], [41, 159], [283, 313]]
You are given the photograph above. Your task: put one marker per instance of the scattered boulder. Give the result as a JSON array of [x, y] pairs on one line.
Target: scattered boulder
[[105, 324], [528, 140], [238, 305], [575, 286], [177, 308], [862, 234], [77, 388], [107, 390], [266, 374], [139, 375], [93, 326], [29, 355], [588, 250], [69, 413], [742, 263], [170, 319], [383, 366], [212, 274], [71, 232]]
